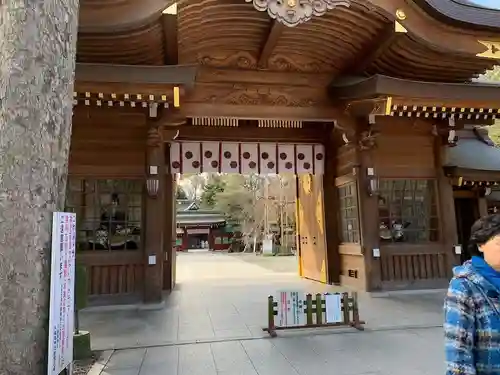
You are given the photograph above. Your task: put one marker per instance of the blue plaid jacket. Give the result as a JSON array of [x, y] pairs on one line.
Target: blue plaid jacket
[[472, 324]]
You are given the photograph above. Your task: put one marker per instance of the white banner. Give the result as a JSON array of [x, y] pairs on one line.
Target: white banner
[[333, 306], [267, 247], [62, 291]]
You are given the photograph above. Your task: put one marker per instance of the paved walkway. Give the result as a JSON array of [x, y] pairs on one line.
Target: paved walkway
[[223, 297], [409, 352]]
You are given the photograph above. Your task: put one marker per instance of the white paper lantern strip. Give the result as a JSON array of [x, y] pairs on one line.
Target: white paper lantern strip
[[286, 158], [304, 159], [319, 159], [268, 163], [175, 158], [230, 158], [191, 161], [249, 158], [210, 156]]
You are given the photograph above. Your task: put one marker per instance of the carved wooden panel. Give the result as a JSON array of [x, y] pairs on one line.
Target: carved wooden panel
[[260, 94], [225, 59], [246, 158]]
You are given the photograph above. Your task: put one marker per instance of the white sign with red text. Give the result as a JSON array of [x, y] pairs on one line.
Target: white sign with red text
[[62, 291]]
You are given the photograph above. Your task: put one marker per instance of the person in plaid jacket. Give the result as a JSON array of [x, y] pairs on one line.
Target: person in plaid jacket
[[472, 305]]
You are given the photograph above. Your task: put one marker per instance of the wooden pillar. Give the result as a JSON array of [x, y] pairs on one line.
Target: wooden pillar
[[483, 206], [368, 212], [211, 240], [185, 240], [170, 206], [154, 215], [446, 206], [173, 265], [169, 226], [331, 211]]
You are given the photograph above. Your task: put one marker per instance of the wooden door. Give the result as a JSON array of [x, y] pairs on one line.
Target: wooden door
[[311, 228]]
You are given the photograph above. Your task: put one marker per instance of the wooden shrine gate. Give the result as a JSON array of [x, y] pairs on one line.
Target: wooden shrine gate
[[306, 161], [384, 112]]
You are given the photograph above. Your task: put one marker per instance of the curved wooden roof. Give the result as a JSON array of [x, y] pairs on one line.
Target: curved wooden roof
[[389, 96], [463, 12], [430, 41]]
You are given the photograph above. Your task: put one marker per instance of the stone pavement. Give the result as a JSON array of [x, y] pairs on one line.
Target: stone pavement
[[408, 352], [221, 297]]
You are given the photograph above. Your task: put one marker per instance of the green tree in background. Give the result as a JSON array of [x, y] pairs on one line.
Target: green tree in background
[[213, 187], [238, 201]]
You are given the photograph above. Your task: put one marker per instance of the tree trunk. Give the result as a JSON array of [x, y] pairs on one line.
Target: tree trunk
[[37, 61]]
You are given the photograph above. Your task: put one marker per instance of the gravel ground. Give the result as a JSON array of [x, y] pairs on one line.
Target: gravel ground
[[82, 367]]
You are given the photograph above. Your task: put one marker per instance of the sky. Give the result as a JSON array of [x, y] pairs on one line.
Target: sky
[[495, 4]]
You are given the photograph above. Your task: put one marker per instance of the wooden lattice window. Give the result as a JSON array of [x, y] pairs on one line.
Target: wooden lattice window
[[108, 213], [408, 210], [348, 209]]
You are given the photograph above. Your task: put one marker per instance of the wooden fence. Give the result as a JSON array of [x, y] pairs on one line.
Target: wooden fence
[[314, 310]]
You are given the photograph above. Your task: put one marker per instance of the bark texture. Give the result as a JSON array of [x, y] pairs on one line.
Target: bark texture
[[37, 60]]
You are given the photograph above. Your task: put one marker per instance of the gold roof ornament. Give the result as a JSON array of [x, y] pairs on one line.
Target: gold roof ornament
[[492, 49], [400, 14], [294, 12]]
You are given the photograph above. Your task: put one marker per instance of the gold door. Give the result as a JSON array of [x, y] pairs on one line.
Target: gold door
[[311, 228]]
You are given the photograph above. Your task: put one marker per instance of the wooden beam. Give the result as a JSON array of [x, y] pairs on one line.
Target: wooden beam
[[365, 107], [122, 89], [258, 101], [387, 37], [170, 32], [272, 40], [259, 112], [119, 73], [206, 74], [418, 93], [313, 134]]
